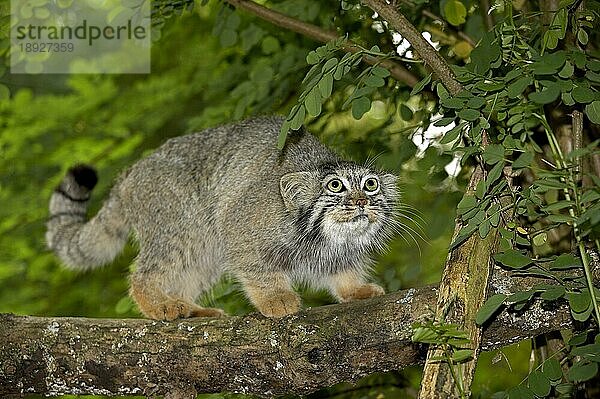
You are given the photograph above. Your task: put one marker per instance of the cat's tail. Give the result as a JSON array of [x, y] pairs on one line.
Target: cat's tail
[[80, 243]]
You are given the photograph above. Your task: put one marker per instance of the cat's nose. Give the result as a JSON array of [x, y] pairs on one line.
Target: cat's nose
[[362, 201]]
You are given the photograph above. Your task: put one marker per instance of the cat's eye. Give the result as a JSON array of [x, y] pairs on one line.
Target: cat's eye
[[335, 186], [371, 184]]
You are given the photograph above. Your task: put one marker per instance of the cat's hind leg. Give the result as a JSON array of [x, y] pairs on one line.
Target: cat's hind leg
[[162, 291]]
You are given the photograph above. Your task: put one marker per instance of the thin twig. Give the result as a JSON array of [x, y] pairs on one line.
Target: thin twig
[[578, 141]]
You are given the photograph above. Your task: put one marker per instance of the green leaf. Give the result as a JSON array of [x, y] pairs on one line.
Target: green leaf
[[546, 96], [283, 133], [330, 65], [421, 85], [405, 112], [553, 294], [567, 98], [558, 206], [523, 161], [579, 59], [270, 45], [579, 301], [592, 111], [490, 86], [549, 63], [467, 203], [519, 86], [228, 37], [583, 95], [551, 369], [593, 65], [461, 355], [557, 29], [484, 229], [484, 55], [494, 174], [480, 189], [560, 218], [590, 351], [521, 296], [455, 12], [590, 196], [564, 390], [539, 383], [425, 335], [476, 102], [593, 76], [312, 102], [566, 261], [444, 121], [453, 102], [513, 259], [550, 184], [567, 70], [312, 58], [520, 392], [326, 85], [374, 81], [360, 106], [469, 114], [578, 339], [583, 371], [380, 71], [487, 310], [298, 119], [582, 36], [451, 135], [493, 154]]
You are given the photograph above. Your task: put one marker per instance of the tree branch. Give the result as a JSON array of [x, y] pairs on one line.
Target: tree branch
[[430, 55], [397, 71], [251, 354]]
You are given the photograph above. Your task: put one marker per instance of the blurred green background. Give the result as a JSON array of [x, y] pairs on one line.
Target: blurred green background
[[51, 122]]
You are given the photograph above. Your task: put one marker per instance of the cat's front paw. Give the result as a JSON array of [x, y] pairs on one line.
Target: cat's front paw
[[277, 303], [363, 291]]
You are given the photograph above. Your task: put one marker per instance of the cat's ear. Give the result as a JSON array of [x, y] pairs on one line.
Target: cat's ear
[[297, 188]]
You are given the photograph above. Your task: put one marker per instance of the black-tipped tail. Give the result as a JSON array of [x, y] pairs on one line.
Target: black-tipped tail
[[84, 175], [80, 243]]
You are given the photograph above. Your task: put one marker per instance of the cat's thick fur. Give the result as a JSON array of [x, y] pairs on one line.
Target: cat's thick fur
[[227, 200]]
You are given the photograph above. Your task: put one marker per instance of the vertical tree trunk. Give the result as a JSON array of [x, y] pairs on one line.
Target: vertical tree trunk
[[463, 289]]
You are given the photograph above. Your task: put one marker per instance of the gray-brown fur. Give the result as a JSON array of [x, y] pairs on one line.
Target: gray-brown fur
[[225, 200]]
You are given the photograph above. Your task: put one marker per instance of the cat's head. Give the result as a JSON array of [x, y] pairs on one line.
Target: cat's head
[[345, 203]]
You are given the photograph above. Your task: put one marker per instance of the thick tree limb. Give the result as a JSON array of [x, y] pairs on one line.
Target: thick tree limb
[[298, 354], [317, 33]]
